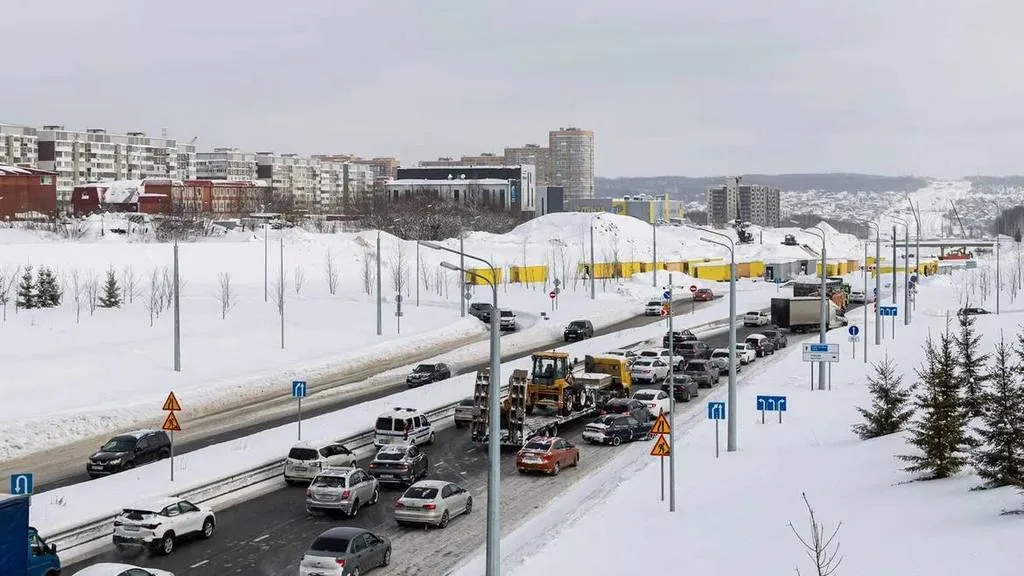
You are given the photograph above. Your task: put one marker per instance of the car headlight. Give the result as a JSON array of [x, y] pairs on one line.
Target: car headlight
[[115, 461]]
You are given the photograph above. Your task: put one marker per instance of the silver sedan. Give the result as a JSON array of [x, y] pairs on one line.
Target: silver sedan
[[433, 502]]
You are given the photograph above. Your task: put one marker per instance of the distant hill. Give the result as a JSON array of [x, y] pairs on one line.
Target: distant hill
[[695, 189]]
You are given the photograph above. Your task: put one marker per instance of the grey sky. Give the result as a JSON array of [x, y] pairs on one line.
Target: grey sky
[[669, 86]]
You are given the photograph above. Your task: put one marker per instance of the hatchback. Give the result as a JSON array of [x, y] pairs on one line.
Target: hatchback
[[547, 454], [433, 502], [341, 490]]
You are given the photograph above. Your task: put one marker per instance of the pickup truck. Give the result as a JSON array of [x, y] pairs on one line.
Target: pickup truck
[[702, 372]]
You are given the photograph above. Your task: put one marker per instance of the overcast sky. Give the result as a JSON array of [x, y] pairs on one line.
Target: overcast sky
[[680, 87]]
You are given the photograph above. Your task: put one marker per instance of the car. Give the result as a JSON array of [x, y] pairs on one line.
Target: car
[[116, 569], [547, 454], [691, 350], [757, 318], [653, 308], [720, 359], [745, 353], [654, 353], [126, 451], [508, 321], [677, 337], [344, 490], [433, 502], [157, 525], [464, 412], [628, 355], [345, 551], [427, 373], [684, 388], [972, 312], [402, 426], [657, 401], [481, 310], [702, 371], [630, 406], [761, 344], [703, 295], [858, 297], [305, 460], [399, 464], [615, 429], [578, 330], [778, 338], [651, 370]]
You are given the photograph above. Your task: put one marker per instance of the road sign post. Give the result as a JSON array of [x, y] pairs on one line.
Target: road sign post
[[818, 352], [772, 404], [854, 332], [661, 448], [299, 391], [892, 312], [716, 412], [693, 301], [171, 424], [398, 312]]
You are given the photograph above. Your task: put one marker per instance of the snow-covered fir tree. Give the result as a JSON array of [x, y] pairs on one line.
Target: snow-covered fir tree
[[971, 364], [1000, 457], [111, 296], [48, 292], [940, 431], [889, 412], [26, 296]]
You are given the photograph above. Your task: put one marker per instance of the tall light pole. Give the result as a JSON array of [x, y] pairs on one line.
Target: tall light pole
[[177, 312], [730, 406], [878, 284], [266, 263], [493, 545], [462, 278], [906, 266], [823, 318], [380, 326], [654, 250], [593, 271], [418, 275], [998, 286], [917, 245], [281, 296]]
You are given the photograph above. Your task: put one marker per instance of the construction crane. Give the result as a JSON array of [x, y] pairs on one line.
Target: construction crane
[[958, 220]]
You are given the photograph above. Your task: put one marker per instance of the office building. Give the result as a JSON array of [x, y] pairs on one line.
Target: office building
[[492, 193], [521, 193], [650, 209], [19, 146], [226, 164], [754, 203], [572, 162]]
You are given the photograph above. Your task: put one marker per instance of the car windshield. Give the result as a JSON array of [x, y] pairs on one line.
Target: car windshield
[[720, 354], [541, 446], [390, 424], [424, 368], [118, 445], [752, 313], [135, 514], [421, 493], [390, 456], [332, 544], [654, 303], [617, 407], [687, 345], [680, 378], [506, 313], [771, 333], [303, 454], [642, 364], [576, 324], [329, 481], [697, 366], [644, 395]]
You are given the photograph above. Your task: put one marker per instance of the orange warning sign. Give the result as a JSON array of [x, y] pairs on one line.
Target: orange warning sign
[[661, 425], [171, 423], [171, 404], [660, 448]]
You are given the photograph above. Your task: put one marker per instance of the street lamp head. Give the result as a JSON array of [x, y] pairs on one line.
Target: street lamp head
[[450, 266], [431, 245]]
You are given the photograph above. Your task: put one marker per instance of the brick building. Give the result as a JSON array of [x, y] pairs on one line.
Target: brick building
[[192, 198], [27, 192]]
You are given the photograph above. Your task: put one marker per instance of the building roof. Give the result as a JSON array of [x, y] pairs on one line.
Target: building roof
[[450, 182], [8, 170]]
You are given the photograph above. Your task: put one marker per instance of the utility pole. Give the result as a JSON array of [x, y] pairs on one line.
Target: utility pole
[[878, 287], [671, 405], [462, 278], [266, 263], [593, 272], [177, 312], [998, 287], [823, 328], [654, 228], [906, 276], [894, 264], [865, 300], [380, 327], [418, 275], [281, 298]]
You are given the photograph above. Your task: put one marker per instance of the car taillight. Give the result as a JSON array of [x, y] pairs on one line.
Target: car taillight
[[151, 526], [372, 465], [430, 506], [399, 505], [118, 523], [345, 494], [309, 493], [340, 561], [403, 467]]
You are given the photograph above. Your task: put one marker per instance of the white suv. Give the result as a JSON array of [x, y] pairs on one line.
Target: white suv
[[757, 318], [158, 524], [305, 460]]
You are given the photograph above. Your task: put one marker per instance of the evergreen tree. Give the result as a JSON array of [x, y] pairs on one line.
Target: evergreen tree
[[889, 412], [26, 296], [1000, 459], [111, 297], [940, 433], [48, 292], [970, 365]]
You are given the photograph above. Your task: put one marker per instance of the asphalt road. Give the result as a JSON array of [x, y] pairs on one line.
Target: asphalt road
[[67, 467], [267, 536]]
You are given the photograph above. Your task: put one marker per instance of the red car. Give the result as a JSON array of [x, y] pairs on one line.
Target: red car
[[547, 454], [703, 295]]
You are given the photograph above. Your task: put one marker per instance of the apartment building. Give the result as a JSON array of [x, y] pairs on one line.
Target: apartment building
[[533, 154], [482, 159], [94, 155], [226, 164], [754, 203], [19, 146], [320, 184], [572, 161]]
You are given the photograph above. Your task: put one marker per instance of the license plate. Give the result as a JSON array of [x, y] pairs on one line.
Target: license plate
[[95, 467], [130, 528], [300, 468], [387, 476], [532, 460]]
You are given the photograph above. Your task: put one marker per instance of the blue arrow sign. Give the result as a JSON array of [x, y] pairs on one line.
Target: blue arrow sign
[[771, 403], [853, 330], [816, 348], [666, 295], [21, 484], [716, 410], [887, 310], [298, 389]]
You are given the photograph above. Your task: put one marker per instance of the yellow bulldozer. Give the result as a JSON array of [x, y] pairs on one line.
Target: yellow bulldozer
[[565, 386]]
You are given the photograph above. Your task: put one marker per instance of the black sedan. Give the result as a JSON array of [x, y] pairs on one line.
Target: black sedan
[[615, 429], [427, 373]]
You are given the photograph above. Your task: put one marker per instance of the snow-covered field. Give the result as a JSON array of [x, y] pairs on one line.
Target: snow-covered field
[[733, 513]]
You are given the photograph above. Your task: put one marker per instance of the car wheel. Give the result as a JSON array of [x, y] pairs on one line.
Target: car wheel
[[355, 571], [469, 505], [354, 511], [616, 441], [375, 497], [208, 528], [556, 469], [444, 520], [576, 460], [387, 557], [128, 465], [430, 439], [164, 453], [166, 544], [686, 397]]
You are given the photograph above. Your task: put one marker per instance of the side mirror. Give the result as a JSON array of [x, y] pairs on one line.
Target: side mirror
[[52, 548]]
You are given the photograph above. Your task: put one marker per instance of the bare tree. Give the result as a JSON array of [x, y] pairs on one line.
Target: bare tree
[[129, 284], [298, 279], [331, 272], [8, 278], [399, 268], [77, 289], [425, 278], [154, 296], [823, 552], [280, 286], [369, 274], [92, 291], [225, 294]]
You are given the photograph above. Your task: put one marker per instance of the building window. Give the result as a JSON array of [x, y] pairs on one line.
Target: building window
[[46, 180]]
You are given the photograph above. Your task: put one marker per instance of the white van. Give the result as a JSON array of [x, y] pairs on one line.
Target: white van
[[403, 426]]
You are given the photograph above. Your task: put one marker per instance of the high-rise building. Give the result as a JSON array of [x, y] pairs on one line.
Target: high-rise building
[[754, 203], [572, 162], [226, 164], [318, 184], [482, 159], [19, 146], [531, 154]]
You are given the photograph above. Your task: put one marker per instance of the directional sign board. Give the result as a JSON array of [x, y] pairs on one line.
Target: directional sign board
[[299, 389], [661, 448], [21, 484], [888, 311], [171, 404], [171, 423], [771, 403], [814, 352], [853, 330], [661, 425], [716, 410]]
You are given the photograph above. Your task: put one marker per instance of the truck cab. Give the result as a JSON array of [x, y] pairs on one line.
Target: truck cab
[[42, 558]]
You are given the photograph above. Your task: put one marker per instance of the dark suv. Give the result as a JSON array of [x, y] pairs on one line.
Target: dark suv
[[128, 451], [778, 338], [427, 373], [677, 337], [399, 464], [578, 330], [628, 406], [693, 350], [481, 310]]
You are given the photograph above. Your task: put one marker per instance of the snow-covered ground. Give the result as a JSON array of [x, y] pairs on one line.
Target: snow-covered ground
[[733, 513], [73, 372]]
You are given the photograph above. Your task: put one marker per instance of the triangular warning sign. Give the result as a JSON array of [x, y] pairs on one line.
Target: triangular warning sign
[[171, 404], [660, 447], [661, 425], [171, 423]]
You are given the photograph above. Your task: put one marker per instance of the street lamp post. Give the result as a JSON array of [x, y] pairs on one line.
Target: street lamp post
[[380, 325], [878, 285], [906, 267], [917, 243], [654, 251], [823, 318], [593, 272]]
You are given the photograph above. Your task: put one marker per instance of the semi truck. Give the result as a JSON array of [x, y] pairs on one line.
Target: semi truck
[[803, 314], [23, 552]]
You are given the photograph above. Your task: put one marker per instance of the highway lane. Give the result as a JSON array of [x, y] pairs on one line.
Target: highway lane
[[66, 466], [267, 535]]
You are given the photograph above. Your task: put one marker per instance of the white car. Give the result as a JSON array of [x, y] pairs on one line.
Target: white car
[[657, 401], [745, 353], [653, 308], [158, 524], [433, 502], [305, 460], [757, 318], [858, 297], [113, 569], [651, 353], [720, 359], [649, 370]]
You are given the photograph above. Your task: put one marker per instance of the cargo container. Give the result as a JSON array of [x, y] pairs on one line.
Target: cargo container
[[649, 266], [482, 275], [714, 272], [22, 551], [675, 266], [527, 274], [627, 269], [602, 270], [690, 264]]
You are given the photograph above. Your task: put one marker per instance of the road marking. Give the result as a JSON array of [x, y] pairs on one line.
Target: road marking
[[264, 537], [198, 564]]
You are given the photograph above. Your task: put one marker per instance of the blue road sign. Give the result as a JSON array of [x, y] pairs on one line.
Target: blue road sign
[[298, 389], [853, 330], [716, 410], [771, 403], [815, 348], [666, 295], [887, 310], [21, 484]]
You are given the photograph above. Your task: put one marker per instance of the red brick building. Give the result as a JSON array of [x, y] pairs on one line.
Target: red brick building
[[194, 198], [25, 191], [225, 198], [124, 196]]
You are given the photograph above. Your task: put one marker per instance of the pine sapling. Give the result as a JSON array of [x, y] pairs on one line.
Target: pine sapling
[[111, 296], [889, 412], [1000, 458], [25, 297], [970, 364]]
